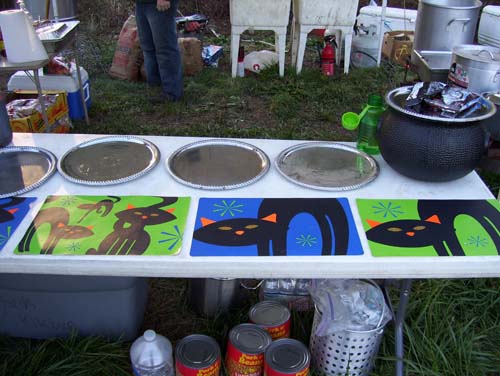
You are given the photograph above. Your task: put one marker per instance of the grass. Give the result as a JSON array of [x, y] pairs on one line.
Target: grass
[[453, 326]]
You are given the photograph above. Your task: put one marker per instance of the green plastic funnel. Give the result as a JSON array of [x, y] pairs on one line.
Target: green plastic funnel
[[351, 120]]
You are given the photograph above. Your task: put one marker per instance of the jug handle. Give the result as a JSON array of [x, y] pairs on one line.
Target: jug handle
[[464, 20]]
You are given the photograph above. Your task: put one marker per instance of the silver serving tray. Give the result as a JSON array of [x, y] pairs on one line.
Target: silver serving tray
[[109, 160], [327, 166], [218, 164], [24, 168]]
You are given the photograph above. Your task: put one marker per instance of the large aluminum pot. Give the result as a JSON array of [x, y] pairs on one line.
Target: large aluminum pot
[[443, 24], [431, 148], [60, 10], [476, 68], [211, 296]]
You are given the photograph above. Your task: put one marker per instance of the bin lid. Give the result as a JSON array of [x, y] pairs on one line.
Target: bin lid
[[494, 10], [21, 81]]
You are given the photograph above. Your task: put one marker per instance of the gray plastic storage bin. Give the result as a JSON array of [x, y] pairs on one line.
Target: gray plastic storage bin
[[46, 306]]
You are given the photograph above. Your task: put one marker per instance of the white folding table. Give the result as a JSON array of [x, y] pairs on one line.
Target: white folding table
[[389, 185]]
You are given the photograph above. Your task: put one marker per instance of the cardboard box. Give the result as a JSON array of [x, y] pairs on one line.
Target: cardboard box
[[57, 114], [398, 45]]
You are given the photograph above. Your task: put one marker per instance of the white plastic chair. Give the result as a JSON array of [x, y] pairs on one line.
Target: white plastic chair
[[259, 15], [335, 15]]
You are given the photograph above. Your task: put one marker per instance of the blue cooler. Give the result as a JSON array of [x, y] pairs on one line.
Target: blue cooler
[[20, 81]]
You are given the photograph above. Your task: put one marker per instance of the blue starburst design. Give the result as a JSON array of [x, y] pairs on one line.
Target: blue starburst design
[[477, 241], [228, 208], [306, 240], [4, 238], [73, 247], [175, 238], [68, 201], [388, 209]]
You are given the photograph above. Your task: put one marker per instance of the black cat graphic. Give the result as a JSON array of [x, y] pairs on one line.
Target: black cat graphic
[[128, 236], [103, 207], [271, 226], [58, 220], [436, 226], [7, 215]]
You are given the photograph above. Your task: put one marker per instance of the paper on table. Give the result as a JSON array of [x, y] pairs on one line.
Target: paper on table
[[21, 42]]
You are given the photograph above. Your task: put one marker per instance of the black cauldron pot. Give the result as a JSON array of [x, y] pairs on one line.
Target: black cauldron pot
[[431, 148]]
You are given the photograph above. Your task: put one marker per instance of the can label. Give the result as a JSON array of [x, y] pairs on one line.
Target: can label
[[278, 331], [239, 363], [269, 371], [211, 370], [458, 75]]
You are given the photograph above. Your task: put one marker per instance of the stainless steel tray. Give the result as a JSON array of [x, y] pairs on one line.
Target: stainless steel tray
[[327, 166], [218, 164], [24, 168], [109, 160]]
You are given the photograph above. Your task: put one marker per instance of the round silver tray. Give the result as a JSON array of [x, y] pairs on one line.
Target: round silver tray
[[109, 160], [24, 168], [327, 166], [218, 164]]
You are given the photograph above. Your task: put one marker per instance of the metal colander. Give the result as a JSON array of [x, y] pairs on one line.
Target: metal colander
[[346, 353]]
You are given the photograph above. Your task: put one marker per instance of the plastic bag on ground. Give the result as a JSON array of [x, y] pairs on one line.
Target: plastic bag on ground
[[349, 304], [257, 61]]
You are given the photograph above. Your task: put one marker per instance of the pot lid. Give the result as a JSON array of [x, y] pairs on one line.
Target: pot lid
[[478, 53]]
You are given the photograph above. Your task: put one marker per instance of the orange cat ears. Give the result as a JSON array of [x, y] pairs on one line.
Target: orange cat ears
[[434, 219], [270, 218]]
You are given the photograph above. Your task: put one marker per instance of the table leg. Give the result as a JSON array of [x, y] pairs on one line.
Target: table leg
[[404, 297], [82, 94], [41, 99]]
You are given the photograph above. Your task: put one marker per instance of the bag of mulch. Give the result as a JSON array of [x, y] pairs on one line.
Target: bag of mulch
[[191, 55], [128, 54]]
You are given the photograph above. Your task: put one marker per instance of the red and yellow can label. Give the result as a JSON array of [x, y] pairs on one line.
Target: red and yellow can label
[[211, 370], [241, 364]]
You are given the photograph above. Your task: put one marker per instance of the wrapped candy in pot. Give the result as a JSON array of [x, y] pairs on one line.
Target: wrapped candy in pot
[[431, 148]]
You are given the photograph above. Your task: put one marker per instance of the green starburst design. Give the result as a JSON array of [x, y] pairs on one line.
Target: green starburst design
[[68, 201], [73, 247], [387, 210], [4, 238], [228, 208], [477, 241], [306, 240]]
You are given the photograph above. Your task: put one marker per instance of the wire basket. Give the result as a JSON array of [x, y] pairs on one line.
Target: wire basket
[[346, 353]]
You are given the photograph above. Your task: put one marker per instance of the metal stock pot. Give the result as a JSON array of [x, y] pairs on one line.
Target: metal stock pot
[[443, 24], [476, 68]]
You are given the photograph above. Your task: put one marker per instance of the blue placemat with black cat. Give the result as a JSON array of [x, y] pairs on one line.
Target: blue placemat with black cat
[[12, 212], [275, 227], [431, 227]]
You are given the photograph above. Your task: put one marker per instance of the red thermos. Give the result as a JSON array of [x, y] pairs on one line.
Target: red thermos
[[328, 59]]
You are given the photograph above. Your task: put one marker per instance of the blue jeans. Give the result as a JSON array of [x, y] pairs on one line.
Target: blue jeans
[[158, 38]]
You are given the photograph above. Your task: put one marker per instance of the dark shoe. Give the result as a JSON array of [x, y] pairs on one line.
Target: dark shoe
[[158, 99]]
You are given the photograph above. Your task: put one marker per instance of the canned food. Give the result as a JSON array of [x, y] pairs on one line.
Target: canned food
[[245, 350], [197, 355], [287, 357], [272, 316]]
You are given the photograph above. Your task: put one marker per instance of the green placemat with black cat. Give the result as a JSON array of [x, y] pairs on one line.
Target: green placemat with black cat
[[431, 227], [107, 225]]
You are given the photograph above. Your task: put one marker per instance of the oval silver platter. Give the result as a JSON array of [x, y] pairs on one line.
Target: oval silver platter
[[24, 168], [109, 160], [327, 166], [218, 164]]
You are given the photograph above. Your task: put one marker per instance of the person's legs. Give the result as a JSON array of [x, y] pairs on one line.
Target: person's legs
[[144, 12], [164, 32]]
